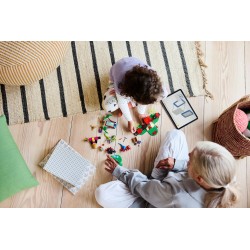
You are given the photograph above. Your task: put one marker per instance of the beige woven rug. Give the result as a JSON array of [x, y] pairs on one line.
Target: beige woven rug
[[78, 84]]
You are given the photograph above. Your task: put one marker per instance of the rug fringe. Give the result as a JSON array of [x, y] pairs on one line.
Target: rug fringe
[[202, 66]]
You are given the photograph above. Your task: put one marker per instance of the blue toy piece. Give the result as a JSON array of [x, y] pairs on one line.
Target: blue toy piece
[[123, 148]]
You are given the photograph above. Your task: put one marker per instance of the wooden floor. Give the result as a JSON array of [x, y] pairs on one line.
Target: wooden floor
[[229, 79]]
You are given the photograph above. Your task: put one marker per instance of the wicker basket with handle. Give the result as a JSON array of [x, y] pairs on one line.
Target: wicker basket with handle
[[225, 132]]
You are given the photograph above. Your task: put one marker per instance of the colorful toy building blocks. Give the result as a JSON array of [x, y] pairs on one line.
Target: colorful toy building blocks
[[93, 141], [135, 141], [124, 148], [148, 125], [107, 123]]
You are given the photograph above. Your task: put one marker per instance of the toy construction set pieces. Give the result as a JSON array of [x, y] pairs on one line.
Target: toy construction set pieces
[[148, 125], [117, 158], [93, 141], [110, 150], [108, 123], [135, 141], [110, 138], [124, 148]]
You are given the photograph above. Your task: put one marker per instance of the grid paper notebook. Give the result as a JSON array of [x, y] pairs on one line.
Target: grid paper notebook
[[68, 166]]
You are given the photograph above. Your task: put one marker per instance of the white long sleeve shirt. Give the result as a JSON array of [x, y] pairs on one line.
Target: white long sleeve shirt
[[117, 73]]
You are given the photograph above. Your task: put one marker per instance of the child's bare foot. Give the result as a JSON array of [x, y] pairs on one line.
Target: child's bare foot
[[131, 127]]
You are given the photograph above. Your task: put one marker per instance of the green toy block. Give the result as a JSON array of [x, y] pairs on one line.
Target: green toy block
[[117, 158], [106, 117]]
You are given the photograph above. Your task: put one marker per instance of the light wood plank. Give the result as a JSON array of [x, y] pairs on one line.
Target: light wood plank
[[226, 82], [35, 140], [247, 75]]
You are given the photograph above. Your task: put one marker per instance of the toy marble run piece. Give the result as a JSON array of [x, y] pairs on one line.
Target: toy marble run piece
[[108, 123], [93, 141], [124, 148], [148, 125], [117, 158]]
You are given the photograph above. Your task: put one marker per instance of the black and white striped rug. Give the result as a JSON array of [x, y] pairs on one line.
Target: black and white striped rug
[[78, 84]]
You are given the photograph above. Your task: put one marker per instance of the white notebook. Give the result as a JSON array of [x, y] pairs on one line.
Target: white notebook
[[68, 166]]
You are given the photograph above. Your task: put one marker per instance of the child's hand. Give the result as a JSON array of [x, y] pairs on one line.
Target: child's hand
[[141, 116], [167, 164], [111, 164], [131, 127]]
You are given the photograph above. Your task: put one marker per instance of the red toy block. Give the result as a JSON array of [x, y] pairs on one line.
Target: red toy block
[[139, 131], [147, 120], [157, 115]]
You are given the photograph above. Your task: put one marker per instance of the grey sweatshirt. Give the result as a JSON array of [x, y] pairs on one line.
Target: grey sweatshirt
[[176, 189]]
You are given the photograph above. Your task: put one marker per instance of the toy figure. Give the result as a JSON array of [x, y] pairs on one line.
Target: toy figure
[[93, 141]]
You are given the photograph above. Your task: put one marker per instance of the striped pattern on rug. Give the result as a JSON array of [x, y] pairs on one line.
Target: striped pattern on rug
[[78, 84]]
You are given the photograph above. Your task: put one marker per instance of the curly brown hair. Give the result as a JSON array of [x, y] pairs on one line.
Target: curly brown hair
[[142, 84]]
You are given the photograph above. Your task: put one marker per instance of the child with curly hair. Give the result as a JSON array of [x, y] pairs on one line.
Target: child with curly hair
[[134, 83]]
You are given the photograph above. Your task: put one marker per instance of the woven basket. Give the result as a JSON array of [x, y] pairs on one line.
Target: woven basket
[[23, 63], [225, 133]]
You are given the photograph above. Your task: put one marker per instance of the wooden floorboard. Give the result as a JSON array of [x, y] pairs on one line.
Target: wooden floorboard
[[247, 79], [228, 79], [227, 83]]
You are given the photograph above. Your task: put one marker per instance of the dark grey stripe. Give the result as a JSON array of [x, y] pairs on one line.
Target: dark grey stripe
[[164, 54], [184, 65], [44, 102], [5, 103], [111, 53], [24, 103], [146, 52], [97, 77], [128, 48], [78, 77], [61, 91]]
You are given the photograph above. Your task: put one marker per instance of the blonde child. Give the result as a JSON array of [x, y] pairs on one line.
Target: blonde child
[[203, 178], [134, 83]]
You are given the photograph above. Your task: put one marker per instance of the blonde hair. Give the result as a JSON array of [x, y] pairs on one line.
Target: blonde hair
[[216, 165]]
